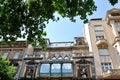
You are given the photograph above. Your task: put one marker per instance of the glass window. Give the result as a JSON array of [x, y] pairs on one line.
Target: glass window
[[55, 68], [99, 38], [106, 66], [30, 69], [60, 58], [16, 55], [105, 58], [67, 68], [103, 52], [99, 33], [117, 23], [66, 58], [98, 27], [45, 68], [53, 58], [5, 54]]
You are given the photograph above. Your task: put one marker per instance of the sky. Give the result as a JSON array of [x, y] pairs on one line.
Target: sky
[[64, 30]]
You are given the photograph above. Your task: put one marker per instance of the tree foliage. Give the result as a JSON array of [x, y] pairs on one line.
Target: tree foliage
[[7, 71], [113, 2], [27, 18]]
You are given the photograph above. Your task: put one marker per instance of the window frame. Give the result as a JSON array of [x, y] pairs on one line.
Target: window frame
[[4, 55], [53, 74], [98, 27], [99, 32], [14, 56]]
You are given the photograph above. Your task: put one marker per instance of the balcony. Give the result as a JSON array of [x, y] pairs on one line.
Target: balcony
[[101, 42], [117, 39], [112, 74], [114, 17], [81, 45]]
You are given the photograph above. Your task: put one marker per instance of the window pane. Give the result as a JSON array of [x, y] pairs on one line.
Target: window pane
[[67, 68], [105, 58], [66, 58], [98, 27], [45, 68], [5, 54], [106, 66], [99, 38], [30, 70], [60, 58], [99, 33], [103, 52], [55, 68], [53, 58], [16, 55]]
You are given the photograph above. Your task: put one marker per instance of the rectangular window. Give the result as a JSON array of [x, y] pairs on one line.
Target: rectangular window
[[5, 54], [104, 55], [56, 69], [30, 71], [99, 33], [16, 55], [67, 69], [117, 23], [45, 68], [98, 27], [99, 38], [106, 66], [103, 52], [105, 58]]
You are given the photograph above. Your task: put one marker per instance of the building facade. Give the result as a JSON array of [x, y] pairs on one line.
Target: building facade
[[96, 55], [61, 60], [104, 41]]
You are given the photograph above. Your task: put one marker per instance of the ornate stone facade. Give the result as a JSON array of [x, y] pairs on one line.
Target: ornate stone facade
[[96, 55]]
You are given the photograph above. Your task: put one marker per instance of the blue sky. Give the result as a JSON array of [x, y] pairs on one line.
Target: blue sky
[[65, 30]]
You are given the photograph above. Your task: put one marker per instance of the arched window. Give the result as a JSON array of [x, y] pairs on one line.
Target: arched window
[[66, 58], [60, 58], [53, 58]]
